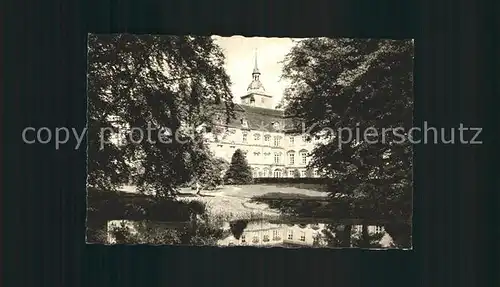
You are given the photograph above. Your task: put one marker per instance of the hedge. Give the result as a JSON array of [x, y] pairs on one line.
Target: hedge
[[291, 180]]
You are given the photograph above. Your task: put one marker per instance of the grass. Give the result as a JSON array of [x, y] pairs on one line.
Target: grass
[[237, 202]]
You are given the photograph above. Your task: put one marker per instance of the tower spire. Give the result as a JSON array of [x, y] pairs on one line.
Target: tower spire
[[255, 85], [255, 67]]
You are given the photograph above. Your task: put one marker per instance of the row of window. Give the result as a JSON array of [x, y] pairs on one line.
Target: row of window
[[267, 139], [278, 173], [277, 156], [276, 237], [291, 157], [276, 140]]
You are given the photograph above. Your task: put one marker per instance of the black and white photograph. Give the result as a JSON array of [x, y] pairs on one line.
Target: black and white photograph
[[250, 141]]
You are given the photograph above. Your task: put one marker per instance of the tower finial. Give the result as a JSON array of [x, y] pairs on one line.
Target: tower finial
[[255, 67]]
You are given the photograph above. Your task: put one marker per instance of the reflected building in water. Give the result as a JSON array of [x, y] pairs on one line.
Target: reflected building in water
[[269, 234], [292, 235]]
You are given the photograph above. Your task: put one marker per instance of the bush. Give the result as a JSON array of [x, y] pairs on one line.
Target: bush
[[239, 171]]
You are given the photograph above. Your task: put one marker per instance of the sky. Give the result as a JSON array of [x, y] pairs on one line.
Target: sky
[[240, 55]]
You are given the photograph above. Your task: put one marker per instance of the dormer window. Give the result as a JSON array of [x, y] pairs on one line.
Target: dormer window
[[244, 123], [276, 125]]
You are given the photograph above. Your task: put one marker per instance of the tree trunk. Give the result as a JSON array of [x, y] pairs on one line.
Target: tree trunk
[[345, 240], [198, 188], [365, 237]]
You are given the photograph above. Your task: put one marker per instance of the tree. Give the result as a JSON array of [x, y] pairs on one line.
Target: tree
[[296, 173], [207, 170], [309, 172], [239, 171], [164, 84], [357, 84]]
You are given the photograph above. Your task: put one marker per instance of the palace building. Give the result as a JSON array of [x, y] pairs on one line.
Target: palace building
[[263, 133]]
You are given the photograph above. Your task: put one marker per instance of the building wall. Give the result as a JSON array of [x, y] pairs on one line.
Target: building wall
[[274, 236], [269, 153]]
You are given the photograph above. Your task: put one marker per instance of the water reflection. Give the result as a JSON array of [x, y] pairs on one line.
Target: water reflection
[[280, 234]]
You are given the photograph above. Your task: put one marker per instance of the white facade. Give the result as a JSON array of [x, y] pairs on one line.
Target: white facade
[[267, 234]]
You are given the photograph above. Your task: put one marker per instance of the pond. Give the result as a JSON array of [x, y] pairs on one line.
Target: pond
[[286, 233]]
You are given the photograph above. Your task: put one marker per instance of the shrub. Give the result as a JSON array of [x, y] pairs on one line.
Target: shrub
[[239, 171]]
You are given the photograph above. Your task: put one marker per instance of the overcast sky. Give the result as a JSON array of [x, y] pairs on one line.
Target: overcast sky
[[240, 53]]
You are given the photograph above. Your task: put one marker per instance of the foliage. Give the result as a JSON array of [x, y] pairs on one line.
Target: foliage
[[357, 84], [237, 227], [309, 172], [366, 239], [144, 233], [105, 206], [207, 170], [163, 85], [334, 235], [239, 171], [296, 173], [199, 231]]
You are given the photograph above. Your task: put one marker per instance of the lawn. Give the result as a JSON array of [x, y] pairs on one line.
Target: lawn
[[235, 202]]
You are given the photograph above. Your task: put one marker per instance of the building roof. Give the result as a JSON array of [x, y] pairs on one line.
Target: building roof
[[256, 85], [260, 119]]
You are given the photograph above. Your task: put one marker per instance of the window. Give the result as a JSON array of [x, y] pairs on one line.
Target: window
[[379, 229], [265, 172], [302, 173], [260, 174], [277, 173], [290, 235], [255, 239], [256, 137], [302, 236], [292, 140], [304, 158], [266, 238], [277, 141], [291, 158], [244, 139], [276, 235], [316, 173], [267, 138], [277, 158], [243, 239], [290, 173]]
